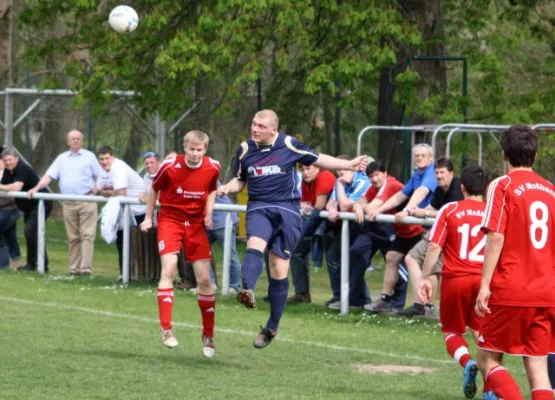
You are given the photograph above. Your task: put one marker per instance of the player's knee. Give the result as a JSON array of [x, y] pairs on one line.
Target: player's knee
[[392, 260]]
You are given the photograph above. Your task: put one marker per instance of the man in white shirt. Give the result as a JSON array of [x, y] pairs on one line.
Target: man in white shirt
[[119, 179], [76, 171]]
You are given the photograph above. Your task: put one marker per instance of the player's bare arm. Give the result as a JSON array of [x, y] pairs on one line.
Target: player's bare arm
[[416, 198], [328, 162], [150, 205], [432, 255], [209, 210], [233, 186], [494, 245], [394, 201]]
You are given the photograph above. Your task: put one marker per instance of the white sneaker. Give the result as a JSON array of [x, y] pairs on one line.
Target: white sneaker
[[208, 347], [232, 292], [168, 338], [336, 305]]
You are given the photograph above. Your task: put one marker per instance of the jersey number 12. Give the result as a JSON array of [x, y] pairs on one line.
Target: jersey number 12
[[474, 254]]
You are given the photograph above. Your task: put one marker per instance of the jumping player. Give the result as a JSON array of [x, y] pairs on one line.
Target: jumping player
[[517, 291], [186, 188], [267, 163], [457, 231]]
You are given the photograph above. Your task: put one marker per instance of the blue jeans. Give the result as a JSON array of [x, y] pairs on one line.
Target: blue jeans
[[234, 263], [317, 246], [8, 229]]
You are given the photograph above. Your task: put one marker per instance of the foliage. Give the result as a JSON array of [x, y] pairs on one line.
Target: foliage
[[300, 47]]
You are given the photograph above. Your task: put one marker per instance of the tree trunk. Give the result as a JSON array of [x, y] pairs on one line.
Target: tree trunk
[[6, 49], [432, 74]]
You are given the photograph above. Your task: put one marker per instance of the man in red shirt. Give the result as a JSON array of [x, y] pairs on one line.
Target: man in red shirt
[[406, 237], [186, 188], [517, 291], [456, 231], [316, 188]]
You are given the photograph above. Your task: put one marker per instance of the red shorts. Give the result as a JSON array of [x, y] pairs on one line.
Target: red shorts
[[173, 234], [520, 331], [456, 304]]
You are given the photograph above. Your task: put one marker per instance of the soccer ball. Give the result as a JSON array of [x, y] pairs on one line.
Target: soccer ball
[[123, 19]]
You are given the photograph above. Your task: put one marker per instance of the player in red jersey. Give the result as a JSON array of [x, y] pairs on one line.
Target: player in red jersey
[[517, 291], [457, 231], [186, 188]]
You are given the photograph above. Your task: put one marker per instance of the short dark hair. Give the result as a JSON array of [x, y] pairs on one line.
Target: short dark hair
[[375, 166], [520, 145], [105, 150], [474, 180], [443, 162]]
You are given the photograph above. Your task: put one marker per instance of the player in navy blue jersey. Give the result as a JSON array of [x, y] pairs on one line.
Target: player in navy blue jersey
[[267, 164]]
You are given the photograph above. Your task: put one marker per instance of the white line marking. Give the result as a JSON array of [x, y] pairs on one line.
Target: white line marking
[[225, 330]]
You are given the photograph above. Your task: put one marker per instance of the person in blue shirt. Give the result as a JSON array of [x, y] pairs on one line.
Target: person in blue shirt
[[267, 164], [417, 193], [217, 233], [349, 188]]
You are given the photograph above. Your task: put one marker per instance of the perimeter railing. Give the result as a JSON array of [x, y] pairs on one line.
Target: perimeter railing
[[127, 202]]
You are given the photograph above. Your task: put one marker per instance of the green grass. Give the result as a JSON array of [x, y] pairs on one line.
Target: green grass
[[79, 338]]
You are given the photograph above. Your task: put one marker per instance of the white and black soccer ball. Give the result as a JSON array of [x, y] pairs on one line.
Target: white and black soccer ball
[[123, 19]]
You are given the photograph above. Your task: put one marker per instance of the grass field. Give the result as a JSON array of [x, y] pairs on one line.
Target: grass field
[[78, 338]]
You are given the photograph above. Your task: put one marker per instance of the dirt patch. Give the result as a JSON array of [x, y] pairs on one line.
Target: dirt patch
[[390, 369]]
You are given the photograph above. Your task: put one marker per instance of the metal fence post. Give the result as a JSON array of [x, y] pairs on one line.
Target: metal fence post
[[8, 120], [41, 233], [227, 253], [126, 241], [345, 267]]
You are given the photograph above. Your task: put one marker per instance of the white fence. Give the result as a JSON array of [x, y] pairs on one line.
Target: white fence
[[346, 217]]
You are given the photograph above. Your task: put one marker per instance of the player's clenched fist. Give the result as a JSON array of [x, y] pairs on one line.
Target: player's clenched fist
[[146, 224], [359, 164], [222, 191]]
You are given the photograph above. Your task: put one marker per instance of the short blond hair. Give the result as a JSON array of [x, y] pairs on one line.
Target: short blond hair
[[196, 136], [270, 115]]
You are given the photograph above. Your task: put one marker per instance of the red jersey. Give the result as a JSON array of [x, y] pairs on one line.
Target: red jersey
[[323, 184], [521, 206], [390, 187], [183, 190], [457, 230]]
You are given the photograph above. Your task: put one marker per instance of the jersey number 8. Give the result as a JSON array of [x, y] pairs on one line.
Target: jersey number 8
[[539, 224]]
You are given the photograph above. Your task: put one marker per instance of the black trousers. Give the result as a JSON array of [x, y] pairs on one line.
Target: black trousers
[[31, 231]]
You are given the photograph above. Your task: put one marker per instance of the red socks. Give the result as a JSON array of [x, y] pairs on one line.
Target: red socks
[[207, 305], [165, 304], [457, 347], [542, 394], [504, 385]]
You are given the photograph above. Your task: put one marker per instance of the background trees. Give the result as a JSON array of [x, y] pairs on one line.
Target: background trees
[[305, 57]]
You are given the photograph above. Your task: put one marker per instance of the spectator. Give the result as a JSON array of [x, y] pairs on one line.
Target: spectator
[[76, 171], [417, 192], [151, 166], [119, 179], [9, 214], [447, 191], [217, 233], [317, 186], [18, 176], [349, 188]]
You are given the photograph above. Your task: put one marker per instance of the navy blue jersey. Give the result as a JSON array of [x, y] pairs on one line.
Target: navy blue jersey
[[270, 170]]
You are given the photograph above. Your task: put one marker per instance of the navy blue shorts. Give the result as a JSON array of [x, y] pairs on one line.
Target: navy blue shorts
[[280, 225]]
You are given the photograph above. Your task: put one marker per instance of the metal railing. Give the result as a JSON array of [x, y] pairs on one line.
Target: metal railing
[[228, 208]]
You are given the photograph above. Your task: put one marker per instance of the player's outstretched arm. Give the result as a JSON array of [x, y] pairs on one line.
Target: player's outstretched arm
[[233, 186], [150, 205], [328, 162]]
